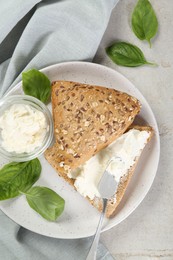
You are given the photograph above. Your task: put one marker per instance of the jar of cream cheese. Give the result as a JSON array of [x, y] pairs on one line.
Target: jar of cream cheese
[[26, 127]]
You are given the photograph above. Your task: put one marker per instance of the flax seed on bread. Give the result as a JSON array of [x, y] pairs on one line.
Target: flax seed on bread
[[87, 118]]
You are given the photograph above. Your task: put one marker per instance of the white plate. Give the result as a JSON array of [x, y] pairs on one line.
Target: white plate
[[79, 218]]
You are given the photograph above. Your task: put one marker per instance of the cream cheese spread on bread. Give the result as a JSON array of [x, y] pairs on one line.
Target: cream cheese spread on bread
[[126, 149], [23, 128]]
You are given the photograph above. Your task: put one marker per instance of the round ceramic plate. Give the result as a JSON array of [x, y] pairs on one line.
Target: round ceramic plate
[[79, 218]]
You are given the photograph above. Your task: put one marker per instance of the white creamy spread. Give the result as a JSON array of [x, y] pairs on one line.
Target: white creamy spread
[[23, 128], [125, 150]]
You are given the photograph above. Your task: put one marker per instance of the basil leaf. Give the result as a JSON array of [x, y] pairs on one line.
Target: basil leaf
[[144, 21], [36, 84], [126, 54], [18, 176], [46, 202]]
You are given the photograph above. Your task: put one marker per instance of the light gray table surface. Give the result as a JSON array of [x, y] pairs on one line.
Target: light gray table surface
[[148, 232]]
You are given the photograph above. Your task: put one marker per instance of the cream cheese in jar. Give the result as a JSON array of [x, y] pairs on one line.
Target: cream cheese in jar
[[23, 128]]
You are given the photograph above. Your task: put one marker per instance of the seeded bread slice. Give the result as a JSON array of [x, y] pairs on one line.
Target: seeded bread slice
[[87, 118], [113, 202]]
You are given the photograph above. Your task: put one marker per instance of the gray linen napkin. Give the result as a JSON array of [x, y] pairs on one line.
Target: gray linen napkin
[[35, 34]]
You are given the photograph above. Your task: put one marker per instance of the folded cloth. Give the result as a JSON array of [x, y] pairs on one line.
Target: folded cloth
[[17, 243], [35, 34]]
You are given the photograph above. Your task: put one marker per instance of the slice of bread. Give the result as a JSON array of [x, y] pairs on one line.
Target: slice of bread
[[87, 118], [124, 181]]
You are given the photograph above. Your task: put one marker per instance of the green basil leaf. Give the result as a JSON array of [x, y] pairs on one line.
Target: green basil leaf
[[36, 84], [144, 21], [18, 176], [126, 54], [46, 202]]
